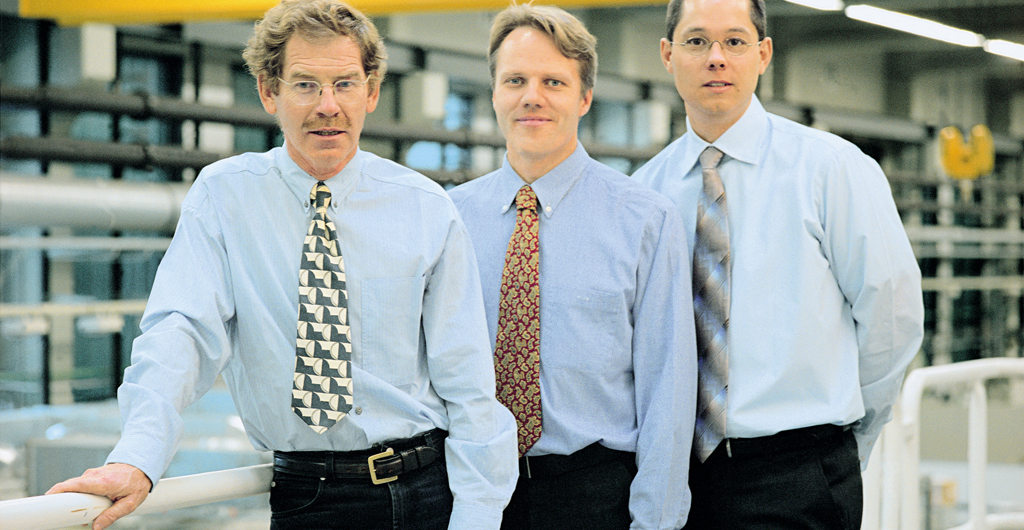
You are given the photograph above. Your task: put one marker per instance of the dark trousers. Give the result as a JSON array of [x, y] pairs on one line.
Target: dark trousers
[[418, 500], [588, 490], [802, 479]]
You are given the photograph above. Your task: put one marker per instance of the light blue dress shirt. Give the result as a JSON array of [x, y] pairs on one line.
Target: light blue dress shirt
[[826, 310], [225, 302], [617, 351]]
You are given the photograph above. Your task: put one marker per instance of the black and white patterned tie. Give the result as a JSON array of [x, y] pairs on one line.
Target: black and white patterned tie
[[711, 306], [322, 385]]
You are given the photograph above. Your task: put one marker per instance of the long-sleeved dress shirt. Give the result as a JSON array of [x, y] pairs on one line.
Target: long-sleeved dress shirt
[[826, 309], [225, 302], [617, 350]]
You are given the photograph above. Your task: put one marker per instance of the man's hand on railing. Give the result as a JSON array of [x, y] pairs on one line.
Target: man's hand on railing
[[123, 484]]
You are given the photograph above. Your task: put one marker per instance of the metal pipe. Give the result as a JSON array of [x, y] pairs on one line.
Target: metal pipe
[[113, 244], [90, 203], [50, 149], [144, 106], [51, 309]]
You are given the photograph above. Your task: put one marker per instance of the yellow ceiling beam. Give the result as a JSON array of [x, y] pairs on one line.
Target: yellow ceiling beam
[[74, 12]]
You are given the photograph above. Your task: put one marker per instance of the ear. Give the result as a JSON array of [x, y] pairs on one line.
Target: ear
[[666, 54], [766, 53], [373, 97], [588, 98], [266, 97]]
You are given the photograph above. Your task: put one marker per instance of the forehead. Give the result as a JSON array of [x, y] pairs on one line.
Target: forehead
[[527, 48], [302, 54], [716, 15]]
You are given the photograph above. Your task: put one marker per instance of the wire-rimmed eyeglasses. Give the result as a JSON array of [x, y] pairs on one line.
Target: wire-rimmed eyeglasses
[[307, 92], [698, 46]]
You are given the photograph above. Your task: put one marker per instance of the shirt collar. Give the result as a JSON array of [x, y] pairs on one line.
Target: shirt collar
[[741, 142], [301, 183], [550, 187]]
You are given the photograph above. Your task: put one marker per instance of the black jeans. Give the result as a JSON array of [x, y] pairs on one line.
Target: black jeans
[[592, 498], [418, 500], [814, 483]]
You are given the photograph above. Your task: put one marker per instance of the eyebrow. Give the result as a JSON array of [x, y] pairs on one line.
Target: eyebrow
[[352, 74], [703, 30]]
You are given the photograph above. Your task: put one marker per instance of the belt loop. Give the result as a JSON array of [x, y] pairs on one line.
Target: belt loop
[[728, 448], [329, 466]]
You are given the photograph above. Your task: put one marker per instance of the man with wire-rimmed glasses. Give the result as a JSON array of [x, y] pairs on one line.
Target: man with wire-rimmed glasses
[[807, 295], [338, 295]]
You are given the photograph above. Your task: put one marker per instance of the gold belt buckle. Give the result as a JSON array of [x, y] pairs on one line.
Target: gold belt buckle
[[373, 469]]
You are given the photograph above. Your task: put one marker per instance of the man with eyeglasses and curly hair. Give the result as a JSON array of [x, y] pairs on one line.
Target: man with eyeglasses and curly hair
[[338, 295]]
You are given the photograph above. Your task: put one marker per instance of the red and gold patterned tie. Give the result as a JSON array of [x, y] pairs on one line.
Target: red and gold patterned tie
[[517, 347]]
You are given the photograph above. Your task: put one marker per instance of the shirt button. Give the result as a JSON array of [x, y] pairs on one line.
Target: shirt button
[[547, 209], [359, 410], [504, 208]]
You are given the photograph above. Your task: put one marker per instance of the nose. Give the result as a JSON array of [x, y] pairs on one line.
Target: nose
[[328, 104], [716, 55], [531, 93]]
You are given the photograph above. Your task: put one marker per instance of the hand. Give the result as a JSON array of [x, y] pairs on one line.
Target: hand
[[123, 484]]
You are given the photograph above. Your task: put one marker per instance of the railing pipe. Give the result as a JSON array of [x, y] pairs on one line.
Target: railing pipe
[[977, 371], [60, 510], [977, 455], [891, 467]]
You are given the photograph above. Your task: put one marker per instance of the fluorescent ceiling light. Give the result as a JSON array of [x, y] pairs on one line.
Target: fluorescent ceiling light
[[1005, 48], [827, 5], [915, 25]]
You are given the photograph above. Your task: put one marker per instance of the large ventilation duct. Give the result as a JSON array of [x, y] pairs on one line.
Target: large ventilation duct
[[89, 203]]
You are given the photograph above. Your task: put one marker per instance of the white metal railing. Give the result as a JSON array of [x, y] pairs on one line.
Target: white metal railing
[[898, 474], [892, 497], [47, 512]]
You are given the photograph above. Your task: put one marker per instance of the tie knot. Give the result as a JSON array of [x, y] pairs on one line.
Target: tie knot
[[710, 157], [526, 199], [321, 196]]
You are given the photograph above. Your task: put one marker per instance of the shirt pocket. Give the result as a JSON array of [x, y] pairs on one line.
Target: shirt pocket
[[391, 314], [589, 331]]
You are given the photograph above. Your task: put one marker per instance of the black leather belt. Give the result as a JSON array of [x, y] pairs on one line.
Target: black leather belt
[[785, 441], [553, 465], [381, 464]]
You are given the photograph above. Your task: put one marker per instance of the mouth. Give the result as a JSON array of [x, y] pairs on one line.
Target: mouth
[[717, 84], [532, 121], [327, 132]]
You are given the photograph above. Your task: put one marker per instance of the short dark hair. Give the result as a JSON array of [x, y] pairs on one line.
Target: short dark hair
[[757, 16]]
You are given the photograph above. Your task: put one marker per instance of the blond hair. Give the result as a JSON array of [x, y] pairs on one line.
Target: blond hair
[[568, 33]]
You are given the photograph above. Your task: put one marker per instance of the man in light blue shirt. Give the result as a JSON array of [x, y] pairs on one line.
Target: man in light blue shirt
[[616, 348], [826, 308], [226, 299]]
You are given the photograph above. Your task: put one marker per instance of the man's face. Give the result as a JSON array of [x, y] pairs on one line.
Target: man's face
[[716, 87], [323, 136], [538, 100]]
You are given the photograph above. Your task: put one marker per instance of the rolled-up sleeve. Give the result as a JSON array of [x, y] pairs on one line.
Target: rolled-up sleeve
[[184, 342]]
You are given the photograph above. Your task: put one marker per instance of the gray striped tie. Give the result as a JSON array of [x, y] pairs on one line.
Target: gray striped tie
[[711, 306], [322, 384]]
